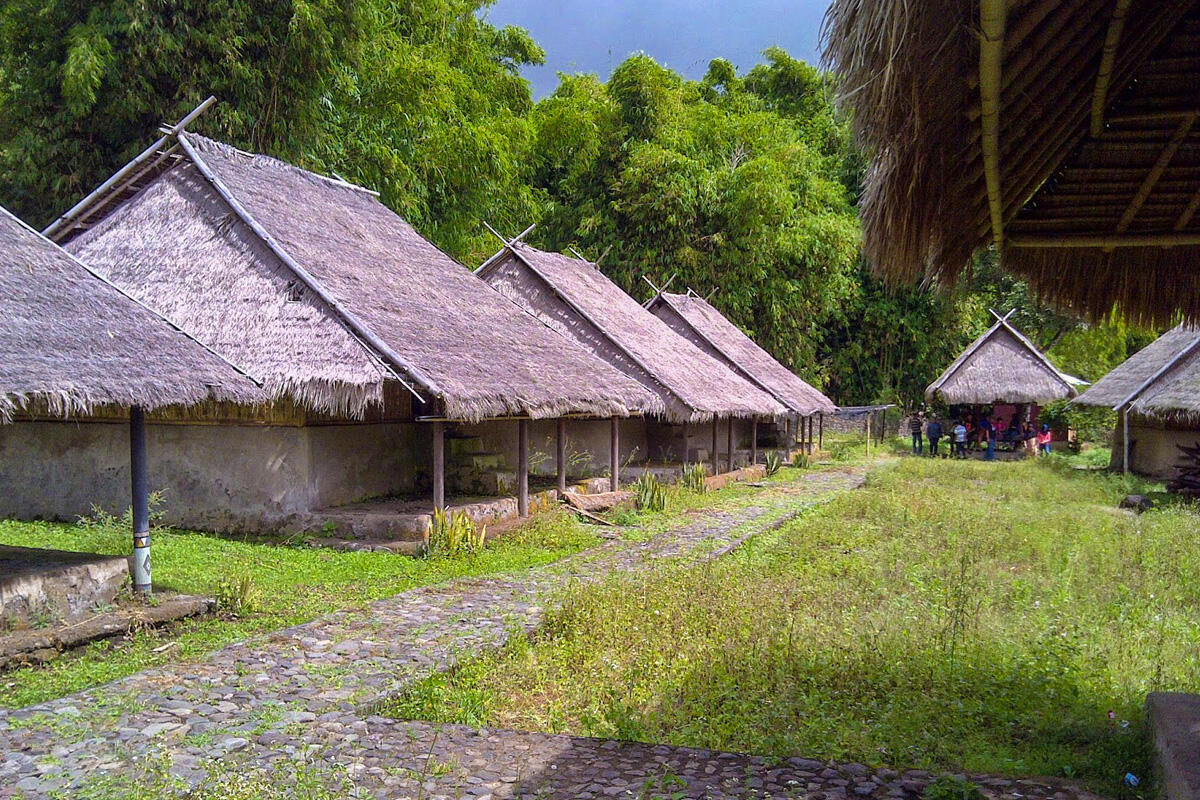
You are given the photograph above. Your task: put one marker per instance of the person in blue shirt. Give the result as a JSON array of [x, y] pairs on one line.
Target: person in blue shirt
[[989, 429]]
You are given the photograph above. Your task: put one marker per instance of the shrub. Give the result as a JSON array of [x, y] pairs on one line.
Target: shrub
[[455, 534], [237, 595], [801, 460], [693, 478], [649, 493]]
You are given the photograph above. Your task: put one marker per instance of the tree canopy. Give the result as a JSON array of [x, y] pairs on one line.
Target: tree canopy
[[740, 185]]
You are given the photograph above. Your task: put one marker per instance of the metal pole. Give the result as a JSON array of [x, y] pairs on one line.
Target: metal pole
[[729, 445], [754, 441], [614, 455], [139, 483], [562, 455], [439, 466], [715, 456], [523, 468]]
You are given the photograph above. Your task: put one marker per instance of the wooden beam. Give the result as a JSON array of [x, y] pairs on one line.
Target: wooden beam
[[1155, 173], [614, 483], [1107, 56], [561, 460], [439, 465], [523, 468], [992, 15], [716, 464], [1108, 241], [729, 444]]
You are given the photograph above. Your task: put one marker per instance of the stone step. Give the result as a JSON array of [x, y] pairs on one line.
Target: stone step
[[486, 483], [480, 461]]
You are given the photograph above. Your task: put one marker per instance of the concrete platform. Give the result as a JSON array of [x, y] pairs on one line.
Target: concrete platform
[[1174, 721], [39, 586]]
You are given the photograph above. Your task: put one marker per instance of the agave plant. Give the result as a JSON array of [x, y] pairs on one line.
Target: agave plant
[[693, 477], [774, 462], [455, 534], [649, 493]]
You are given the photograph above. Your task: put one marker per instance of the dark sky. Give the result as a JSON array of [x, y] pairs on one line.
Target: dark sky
[[596, 35]]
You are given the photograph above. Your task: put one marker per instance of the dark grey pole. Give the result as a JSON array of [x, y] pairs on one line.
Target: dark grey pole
[[614, 455], [523, 468], [729, 444], [439, 466], [139, 482], [562, 455], [754, 441], [821, 431], [810, 435]]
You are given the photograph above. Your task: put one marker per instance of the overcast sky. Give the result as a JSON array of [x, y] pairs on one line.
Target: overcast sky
[[596, 35]]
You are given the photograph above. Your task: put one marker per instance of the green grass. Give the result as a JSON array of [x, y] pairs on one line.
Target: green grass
[[970, 616], [292, 584]]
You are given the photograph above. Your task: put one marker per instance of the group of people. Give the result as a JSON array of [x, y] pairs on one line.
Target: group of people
[[982, 432]]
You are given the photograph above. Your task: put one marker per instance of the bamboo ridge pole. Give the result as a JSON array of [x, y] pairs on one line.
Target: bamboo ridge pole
[[1109, 240], [992, 14]]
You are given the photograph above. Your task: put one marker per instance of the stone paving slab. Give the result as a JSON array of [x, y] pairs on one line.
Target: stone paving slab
[[309, 691]]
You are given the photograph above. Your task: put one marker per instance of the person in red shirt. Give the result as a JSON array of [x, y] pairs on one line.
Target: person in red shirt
[[1044, 438]]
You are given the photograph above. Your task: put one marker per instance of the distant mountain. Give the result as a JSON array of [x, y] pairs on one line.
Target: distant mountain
[[595, 36]]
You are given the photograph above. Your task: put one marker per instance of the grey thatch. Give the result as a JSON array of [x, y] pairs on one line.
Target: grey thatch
[[575, 298], [318, 289], [1161, 381], [696, 319], [1066, 131], [1001, 366], [72, 342]]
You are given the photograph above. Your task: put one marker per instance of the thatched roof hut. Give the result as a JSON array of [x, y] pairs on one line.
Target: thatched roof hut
[[1001, 366], [73, 342], [577, 299], [324, 294], [1067, 133], [1160, 382], [694, 318]]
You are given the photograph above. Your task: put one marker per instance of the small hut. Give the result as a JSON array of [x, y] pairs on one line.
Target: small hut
[[1156, 392], [372, 344], [575, 298], [1001, 374], [694, 318], [1063, 132], [75, 346]]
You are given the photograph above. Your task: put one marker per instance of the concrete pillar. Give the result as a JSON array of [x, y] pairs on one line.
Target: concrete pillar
[[523, 468], [562, 455], [439, 466], [139, 486], [614, 455]]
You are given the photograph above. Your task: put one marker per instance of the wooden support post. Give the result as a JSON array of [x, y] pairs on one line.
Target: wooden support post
[[810, 435], [754, 441], [615, 455], [867, 429], [562, 455], [821, 431], [729, 444], [523, 468], [716, 463], [439, 466], [139, 484]]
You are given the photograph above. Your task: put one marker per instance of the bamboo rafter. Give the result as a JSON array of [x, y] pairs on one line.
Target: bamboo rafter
[[992, 15], [1164, 159], [1107, 57], [1108, 241], [1186, 217]]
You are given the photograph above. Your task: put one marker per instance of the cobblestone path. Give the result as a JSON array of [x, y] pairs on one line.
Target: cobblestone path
[[306, 694]]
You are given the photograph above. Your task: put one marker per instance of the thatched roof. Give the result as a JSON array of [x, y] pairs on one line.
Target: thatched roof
[[694, 318], [1001, 366], [326, 295], [577, 299], [1161, 381], [73, 342], [1067, 131]]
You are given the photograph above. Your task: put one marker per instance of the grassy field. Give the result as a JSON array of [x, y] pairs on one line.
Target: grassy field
[[289, 585], [990, 617]]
